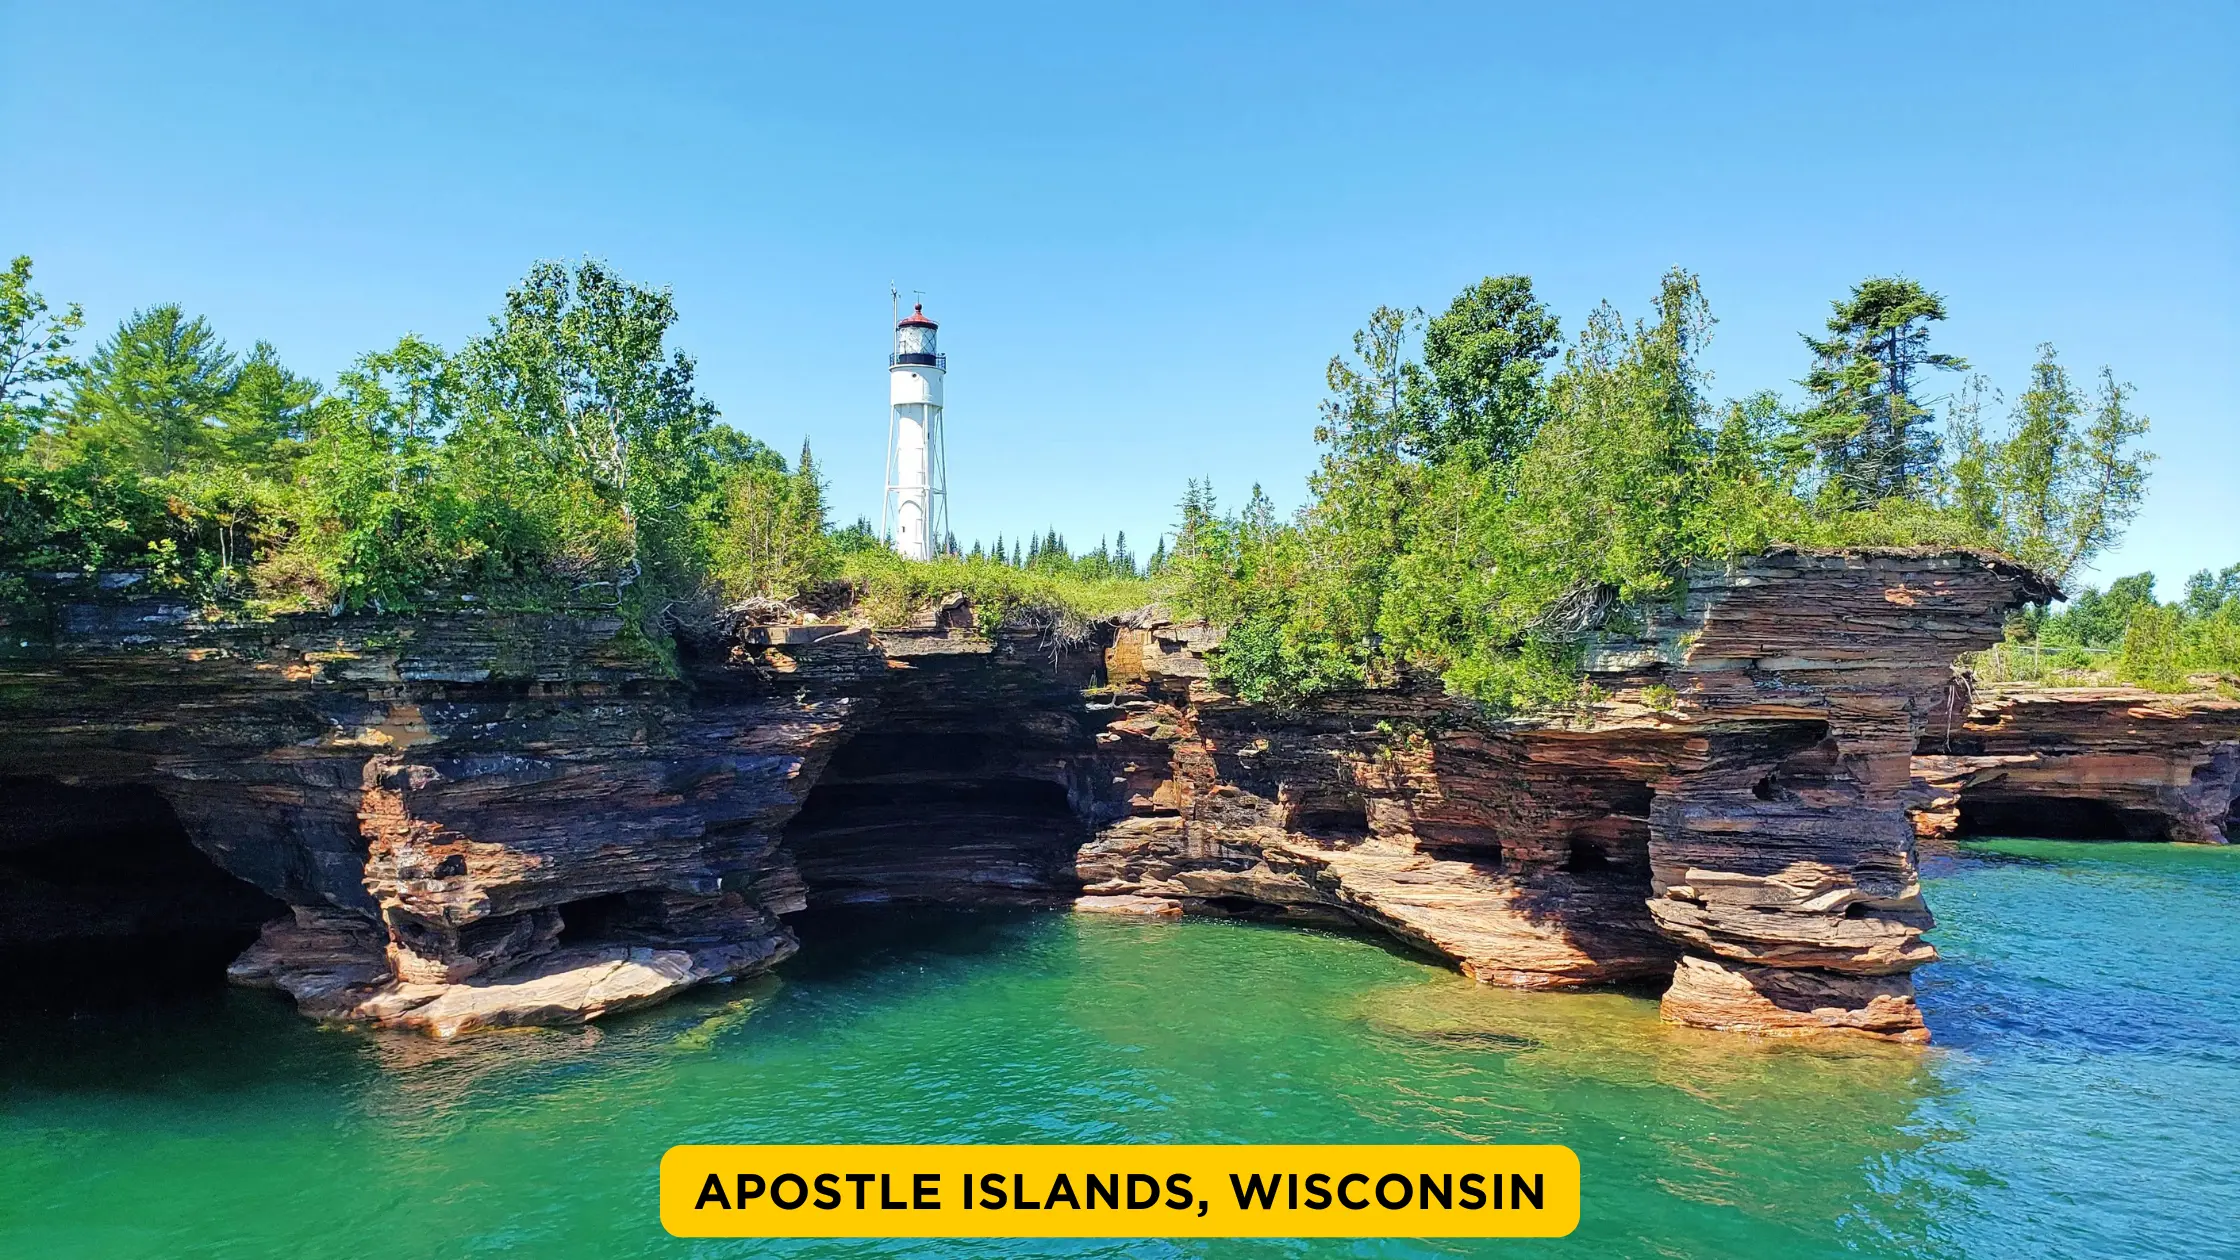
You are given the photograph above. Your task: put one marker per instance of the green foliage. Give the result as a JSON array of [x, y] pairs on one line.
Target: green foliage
[[2123, 635], [1048, 553], [2092, 619], [87, 515], [35, 360], [891, 590], [1473, 515], [154, 394], [859, 537], [1485, 357], [2206, 591], [2067, 493], [1467, 564], [563, 457], [2184, 645], [574, 376], [2152, 654], [775, 541], [1867, 425], [1492, 555]]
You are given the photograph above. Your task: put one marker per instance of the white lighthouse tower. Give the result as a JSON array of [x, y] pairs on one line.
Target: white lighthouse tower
[[917, 504]]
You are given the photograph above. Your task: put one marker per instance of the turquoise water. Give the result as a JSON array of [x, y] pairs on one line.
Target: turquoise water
[[2083, 1098]]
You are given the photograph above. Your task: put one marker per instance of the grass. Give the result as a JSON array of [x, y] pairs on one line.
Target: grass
[[890, 590]]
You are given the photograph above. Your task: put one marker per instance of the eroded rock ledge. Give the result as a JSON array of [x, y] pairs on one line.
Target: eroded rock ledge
[[2084, 762], [480, 820], [1734, 816]]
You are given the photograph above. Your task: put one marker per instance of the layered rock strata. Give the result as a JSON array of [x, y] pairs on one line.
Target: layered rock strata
[[478, 820], [2082, 762], [1736, 802], [963, 779], [475, 820]]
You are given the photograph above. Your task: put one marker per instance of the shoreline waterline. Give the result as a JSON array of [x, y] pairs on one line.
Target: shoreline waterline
[[2071, 1104]]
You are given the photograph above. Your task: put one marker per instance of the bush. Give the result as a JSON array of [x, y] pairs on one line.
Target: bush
[[891, 590]]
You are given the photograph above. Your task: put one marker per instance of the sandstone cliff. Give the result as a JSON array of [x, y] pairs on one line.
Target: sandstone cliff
[[1733, 816], [476, 819], [473, 819], [2086, 762]]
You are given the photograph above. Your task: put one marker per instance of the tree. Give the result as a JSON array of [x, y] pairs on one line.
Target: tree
[[2207, 592], [1867, 423], [2110, 478], [1971, 478], [2066, 494], [1485, 356], [263, 416], [2095, 619], [408, 396], [153, 395], [1365, 484], [576, 365], [776, 541], [2152, 653], [1622, 477], [35, 357], [862, 536], [1374, 413]]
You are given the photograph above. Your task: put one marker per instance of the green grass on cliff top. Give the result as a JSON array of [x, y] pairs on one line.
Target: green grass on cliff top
[[891, 590]]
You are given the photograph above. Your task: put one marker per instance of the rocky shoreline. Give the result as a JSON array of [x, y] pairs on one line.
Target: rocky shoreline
[[478, 820], [2082, 761]]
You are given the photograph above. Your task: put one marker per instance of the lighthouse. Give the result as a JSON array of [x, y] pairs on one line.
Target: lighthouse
[[917, 504]]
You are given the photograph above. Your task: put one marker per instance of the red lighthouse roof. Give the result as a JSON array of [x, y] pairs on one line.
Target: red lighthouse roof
[[917, 318]]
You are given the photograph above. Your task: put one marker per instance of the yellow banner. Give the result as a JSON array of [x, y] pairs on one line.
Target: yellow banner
[[1120, 1191]]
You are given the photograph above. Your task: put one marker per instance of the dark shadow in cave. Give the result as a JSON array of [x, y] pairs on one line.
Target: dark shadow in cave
[[2057, 818], [846, 941], [104, 900], [597, 920], [1342, 822], [962, 841]]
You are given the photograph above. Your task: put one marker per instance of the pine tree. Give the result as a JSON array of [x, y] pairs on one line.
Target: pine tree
[[807, 550], [1869, 425], [265, 409], [151, 392]]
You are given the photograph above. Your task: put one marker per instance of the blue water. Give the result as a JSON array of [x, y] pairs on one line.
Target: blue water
[[2082, 1098]]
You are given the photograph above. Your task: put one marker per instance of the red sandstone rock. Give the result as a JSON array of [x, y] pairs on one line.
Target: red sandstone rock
[[1129, 904], [2093, 761], [1757, 817], [1785, 1002], [485, 820]]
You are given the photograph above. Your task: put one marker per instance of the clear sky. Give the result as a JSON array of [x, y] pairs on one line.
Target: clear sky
[[1145, 228]]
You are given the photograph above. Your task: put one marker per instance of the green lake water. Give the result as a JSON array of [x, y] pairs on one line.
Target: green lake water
[[2083, 1098]]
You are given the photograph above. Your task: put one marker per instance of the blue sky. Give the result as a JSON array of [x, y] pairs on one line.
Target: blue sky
[[1145, 228]]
